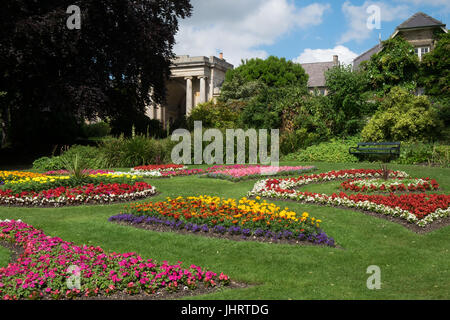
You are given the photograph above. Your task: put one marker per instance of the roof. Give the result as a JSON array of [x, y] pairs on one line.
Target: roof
[[316, 72], [420, 20], [366, 55]]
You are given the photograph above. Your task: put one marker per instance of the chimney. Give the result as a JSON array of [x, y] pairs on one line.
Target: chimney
[[221, 56], [335, 60]]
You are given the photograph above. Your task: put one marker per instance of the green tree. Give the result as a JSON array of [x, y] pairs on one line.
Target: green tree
[[237, 88], [403, 116], [215, 115], [347, 92], [272, 72], [435, 69], [395, 65], [105, 69]]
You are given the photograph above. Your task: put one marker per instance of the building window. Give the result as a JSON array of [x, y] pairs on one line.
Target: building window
[[420, 51]]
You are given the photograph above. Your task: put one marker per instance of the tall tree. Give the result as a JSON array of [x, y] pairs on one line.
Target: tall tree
[[347, 92], [272, 72], [104, 69]]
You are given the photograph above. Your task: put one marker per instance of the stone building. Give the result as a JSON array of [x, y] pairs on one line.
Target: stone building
[[193, 80], [418, 30], [316, 72]]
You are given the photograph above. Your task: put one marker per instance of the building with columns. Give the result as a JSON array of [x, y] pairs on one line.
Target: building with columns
[[193, 80]]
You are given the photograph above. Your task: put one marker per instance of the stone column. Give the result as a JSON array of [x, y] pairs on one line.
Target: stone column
[[202, 89], [188, 95], [152, 112], [163, 117], [211, 84], [159, 113]]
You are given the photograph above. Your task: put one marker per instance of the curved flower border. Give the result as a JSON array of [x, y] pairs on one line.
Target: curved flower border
[[439, 206], [88, 194], [248, 218], [371, 185], [44, 267]]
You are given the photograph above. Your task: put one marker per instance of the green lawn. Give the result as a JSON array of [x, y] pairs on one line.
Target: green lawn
[[412, 266]]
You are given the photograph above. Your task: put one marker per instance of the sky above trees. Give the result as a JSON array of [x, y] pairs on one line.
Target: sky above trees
[[304, 31]]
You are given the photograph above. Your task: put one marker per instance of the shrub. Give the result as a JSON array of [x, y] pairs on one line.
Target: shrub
[[335, 150], [214, 115], [96, 130], [424, 153], [48, 164], [136, 151], [402, 116], [90, 157]]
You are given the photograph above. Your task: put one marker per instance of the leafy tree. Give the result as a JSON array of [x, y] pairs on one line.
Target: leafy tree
[[306, 120], [347, 92], [403, 116], [105, 69], [215, 115], [237, 88], [273, 72], [395, 65], [435, 69]]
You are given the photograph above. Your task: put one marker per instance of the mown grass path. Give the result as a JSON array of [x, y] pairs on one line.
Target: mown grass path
[[413, 266]]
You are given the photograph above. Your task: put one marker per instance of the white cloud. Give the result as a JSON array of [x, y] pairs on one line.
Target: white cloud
[[344, 54], [357, 17], [238, 28]]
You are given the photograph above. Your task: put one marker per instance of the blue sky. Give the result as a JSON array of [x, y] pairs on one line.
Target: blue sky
[[303, 31]]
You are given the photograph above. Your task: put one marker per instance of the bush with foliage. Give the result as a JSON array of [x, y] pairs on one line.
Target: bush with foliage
[[136, 151], [402, 116], [215, 114], [96, 129], [335, 150], [89, 157], [424, 153]]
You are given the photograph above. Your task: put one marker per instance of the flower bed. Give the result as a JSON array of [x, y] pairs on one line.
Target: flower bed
[[43, 269], [248, 218], [86, 194], [197, 171], [41, 183], [8, 176], [87, 171], [256, 171], [420, 209], [160, 167], [390, 185]]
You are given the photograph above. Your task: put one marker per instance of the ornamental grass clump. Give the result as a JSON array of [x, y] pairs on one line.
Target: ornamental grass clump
[[76, 167]]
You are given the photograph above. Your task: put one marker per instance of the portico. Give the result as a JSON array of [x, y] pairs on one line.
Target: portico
[[193, 80]]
